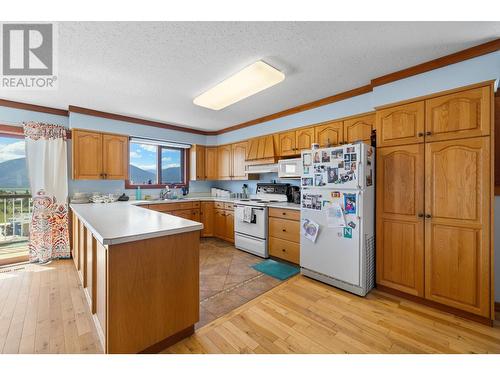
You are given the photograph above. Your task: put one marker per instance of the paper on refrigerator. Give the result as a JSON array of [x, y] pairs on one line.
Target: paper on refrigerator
[[310, 229], [335, 216]]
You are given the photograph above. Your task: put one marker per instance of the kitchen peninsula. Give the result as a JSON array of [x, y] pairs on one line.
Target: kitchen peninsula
[[140, 272]]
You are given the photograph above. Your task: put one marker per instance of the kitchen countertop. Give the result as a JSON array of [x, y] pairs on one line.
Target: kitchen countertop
[[121, 222]]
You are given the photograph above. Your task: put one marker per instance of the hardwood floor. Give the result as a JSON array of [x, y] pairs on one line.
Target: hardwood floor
[[42, 310], [305, 316]]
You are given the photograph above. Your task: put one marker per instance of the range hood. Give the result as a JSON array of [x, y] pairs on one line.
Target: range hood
[[261, 168]]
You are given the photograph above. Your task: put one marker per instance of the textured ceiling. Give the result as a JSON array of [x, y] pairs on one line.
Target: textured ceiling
[[153, 70]]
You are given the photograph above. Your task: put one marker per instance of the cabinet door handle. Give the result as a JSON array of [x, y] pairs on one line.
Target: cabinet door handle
[[283, 250], [420, 215], [428, 133], [428, 216], [420, 134], [284, 230]]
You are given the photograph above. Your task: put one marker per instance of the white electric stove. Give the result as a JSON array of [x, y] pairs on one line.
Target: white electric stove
[[252, 237]]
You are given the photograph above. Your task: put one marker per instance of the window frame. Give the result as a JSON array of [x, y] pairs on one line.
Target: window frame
[[158, 185]]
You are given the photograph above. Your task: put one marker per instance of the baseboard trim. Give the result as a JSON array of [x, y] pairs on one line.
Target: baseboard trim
[[169, 341], [436, 305]]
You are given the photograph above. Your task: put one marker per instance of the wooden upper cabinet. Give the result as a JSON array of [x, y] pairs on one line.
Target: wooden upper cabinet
[[330, 134], [211, 163], [287, 143], [225, 162], [304, 138], [359, 129], [459, 115], [457, 230], [238, 151], [400, 125], [197, 163], [400, 218], [86, 155], [115, 156]]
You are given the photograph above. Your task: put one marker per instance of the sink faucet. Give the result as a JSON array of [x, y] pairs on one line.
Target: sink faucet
[[165, 193]]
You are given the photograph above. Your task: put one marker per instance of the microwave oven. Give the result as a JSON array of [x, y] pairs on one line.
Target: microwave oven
[[290, 168]]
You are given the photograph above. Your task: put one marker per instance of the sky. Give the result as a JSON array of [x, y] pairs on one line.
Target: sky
[[144, 157], [11, 148]]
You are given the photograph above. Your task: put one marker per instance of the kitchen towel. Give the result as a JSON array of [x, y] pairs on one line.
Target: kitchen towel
[[247, 214]]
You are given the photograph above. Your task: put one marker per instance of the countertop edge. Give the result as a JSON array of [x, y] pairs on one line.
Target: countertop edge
[[136, 237]]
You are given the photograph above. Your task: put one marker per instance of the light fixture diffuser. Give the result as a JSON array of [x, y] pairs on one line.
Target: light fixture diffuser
[[249, 81]]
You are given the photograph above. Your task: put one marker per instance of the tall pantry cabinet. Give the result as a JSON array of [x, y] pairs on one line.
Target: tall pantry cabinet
[[435, 198]]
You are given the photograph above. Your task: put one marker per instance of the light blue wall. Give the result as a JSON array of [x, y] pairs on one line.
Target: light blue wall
[[13, 116]]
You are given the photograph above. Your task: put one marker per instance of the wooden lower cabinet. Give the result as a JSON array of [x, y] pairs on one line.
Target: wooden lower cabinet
[[142, 294], [457, 224], [224, 224], [433, 222], [207, 219], [400, 218], [284, 237]]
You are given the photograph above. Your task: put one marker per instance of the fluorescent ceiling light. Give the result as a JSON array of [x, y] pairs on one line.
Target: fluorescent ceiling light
[[249, 81]]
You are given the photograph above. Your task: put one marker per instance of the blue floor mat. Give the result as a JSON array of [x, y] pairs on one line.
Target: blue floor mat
[[278, 270]]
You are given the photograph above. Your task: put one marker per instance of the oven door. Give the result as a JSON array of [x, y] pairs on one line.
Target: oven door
[[257, 229]]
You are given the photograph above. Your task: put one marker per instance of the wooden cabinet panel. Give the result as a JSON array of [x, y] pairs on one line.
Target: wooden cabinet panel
[[458, 115], [82, 258], [359, 129], [207, 218], [195, 214], [185, 214], [76, 241], [400, 223], [91, 270], [115, 156], [253, 149], [284, 249], [330, 134], [197, 163], [229, 236], [287, 143], [400, 125], [219, 205], [224, 164], [219, 223], [284, 213], [284, 229], [457, 230], [211, 163], [86, 155], [304, 138], [238, 152]]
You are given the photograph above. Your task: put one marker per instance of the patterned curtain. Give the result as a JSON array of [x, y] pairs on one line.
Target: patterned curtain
[[46, 155]]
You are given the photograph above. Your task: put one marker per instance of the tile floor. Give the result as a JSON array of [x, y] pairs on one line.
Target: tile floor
[[227, 279]]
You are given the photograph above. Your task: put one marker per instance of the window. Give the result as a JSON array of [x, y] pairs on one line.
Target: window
[[156, 164]]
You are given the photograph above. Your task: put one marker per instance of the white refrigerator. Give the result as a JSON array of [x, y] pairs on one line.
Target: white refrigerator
[[337, 216]]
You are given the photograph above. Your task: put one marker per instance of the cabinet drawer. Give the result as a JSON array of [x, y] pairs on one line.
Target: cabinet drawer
[[284, 249], [284, 213], [284, 229], [219, 205], [228, 206]]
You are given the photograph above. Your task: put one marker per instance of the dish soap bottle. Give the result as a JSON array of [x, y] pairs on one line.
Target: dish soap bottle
[[138, 195]]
